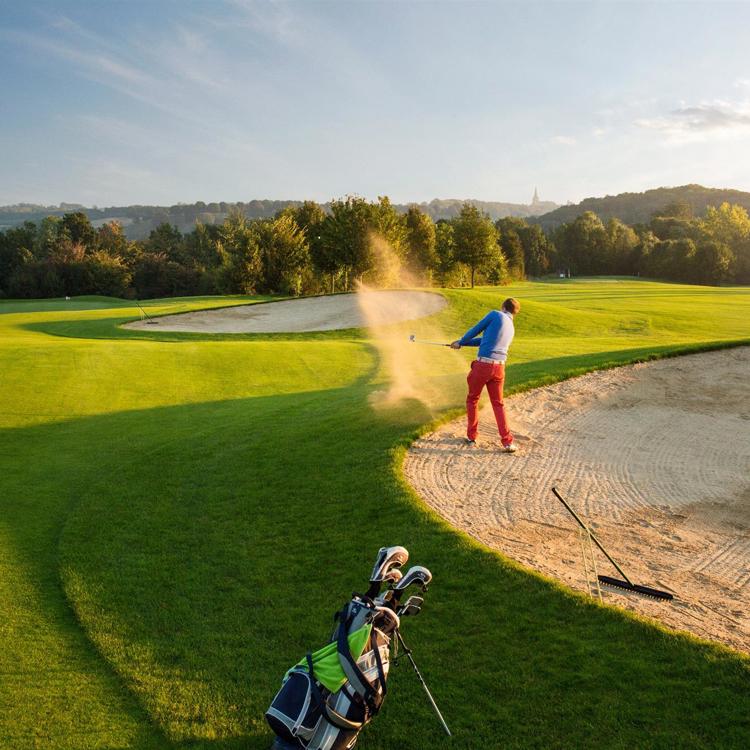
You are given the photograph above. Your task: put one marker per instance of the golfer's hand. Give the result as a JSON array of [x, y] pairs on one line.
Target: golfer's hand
[[455, 344]]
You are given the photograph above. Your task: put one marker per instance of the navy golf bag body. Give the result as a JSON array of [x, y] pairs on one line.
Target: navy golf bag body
[[328, 697]]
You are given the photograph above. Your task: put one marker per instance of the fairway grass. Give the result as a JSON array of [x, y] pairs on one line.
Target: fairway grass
[[182, 515]]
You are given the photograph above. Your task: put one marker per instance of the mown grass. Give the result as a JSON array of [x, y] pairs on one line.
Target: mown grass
[[182, 515]]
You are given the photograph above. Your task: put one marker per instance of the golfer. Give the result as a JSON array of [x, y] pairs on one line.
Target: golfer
[[488, 369]]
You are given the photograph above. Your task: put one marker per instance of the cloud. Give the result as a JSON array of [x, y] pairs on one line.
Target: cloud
[[97, 64], [564, 140], [181, 74], [166, 75], [702, 122], [272, 19]]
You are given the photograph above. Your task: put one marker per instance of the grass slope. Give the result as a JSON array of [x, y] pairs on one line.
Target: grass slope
[[182, 515]]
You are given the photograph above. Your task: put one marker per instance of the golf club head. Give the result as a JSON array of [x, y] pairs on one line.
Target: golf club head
[[412, 606], [416, 575], [385, 619], [393, 576], [413, 337], [388, 559]]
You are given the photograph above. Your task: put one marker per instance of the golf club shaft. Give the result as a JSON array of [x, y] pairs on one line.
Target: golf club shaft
[[590, 533], [407, 651], [429, 343]]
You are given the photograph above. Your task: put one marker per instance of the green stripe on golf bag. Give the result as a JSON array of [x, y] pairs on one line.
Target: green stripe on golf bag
[[326, 663]]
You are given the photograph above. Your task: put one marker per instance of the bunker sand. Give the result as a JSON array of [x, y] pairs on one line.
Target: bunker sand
[[329, 313], [656, 457]]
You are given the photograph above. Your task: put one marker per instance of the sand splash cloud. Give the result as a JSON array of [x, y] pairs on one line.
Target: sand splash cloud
[[428, 374]]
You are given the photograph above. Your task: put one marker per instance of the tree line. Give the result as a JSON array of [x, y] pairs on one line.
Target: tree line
[[139, 221], [304, 249], [674, 245]]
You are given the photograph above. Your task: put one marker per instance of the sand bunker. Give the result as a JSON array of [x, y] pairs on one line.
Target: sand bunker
[[655, 456], [299, 315]]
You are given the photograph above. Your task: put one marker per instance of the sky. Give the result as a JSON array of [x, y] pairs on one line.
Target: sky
[[160, 102]]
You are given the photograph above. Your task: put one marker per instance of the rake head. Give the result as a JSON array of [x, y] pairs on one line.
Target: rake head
[[634, 588]]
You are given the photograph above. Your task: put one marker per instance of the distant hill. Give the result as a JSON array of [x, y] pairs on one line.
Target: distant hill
[[138, 221], [637, 208], [450, 207]]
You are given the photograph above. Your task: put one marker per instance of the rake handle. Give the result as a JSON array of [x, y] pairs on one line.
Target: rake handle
[[591, 534]]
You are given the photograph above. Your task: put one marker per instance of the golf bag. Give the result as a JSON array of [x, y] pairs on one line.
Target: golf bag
[[327, 698]]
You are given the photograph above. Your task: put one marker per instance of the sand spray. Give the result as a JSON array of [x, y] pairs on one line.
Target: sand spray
[[429, 374]]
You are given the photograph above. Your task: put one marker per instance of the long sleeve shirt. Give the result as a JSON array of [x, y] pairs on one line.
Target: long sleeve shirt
[[497, 333]]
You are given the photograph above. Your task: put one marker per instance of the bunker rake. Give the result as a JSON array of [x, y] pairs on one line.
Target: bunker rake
[[623, 585], [145, 316]]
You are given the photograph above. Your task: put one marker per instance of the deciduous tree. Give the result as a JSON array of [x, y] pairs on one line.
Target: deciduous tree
[[284, 252], [77, 227], [421, 254], [241, 265], [475, 238]]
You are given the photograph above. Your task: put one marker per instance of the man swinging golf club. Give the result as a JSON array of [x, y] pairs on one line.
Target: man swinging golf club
[[488, 369]]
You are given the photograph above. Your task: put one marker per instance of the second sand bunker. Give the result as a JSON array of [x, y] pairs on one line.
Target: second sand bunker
[[329, 313]]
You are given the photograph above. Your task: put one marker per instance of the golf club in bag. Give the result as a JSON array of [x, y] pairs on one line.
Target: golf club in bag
[[330, 695]]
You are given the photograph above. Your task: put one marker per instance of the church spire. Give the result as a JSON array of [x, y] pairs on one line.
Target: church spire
[[535, 200]]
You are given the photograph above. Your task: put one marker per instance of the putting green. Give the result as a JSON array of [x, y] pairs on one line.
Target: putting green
[[182, 514]]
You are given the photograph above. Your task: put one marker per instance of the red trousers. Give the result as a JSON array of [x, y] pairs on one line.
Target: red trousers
[[492, 376]]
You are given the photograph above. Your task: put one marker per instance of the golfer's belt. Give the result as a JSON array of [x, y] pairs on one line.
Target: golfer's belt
[[489, 360]]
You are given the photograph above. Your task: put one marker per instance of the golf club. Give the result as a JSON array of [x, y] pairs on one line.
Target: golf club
[[391, 578], [412, 606], [386, 620], [388, 558], [416, 575], [414, 340]]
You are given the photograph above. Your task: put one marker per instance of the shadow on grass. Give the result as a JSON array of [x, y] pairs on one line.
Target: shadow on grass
[[209, 545], [59, 692]]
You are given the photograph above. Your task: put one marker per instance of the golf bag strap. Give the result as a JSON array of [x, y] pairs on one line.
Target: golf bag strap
[[381, 671], [360, 684], [335, 718]]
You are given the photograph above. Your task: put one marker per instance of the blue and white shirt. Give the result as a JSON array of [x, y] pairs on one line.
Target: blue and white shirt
[[497, 333]]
